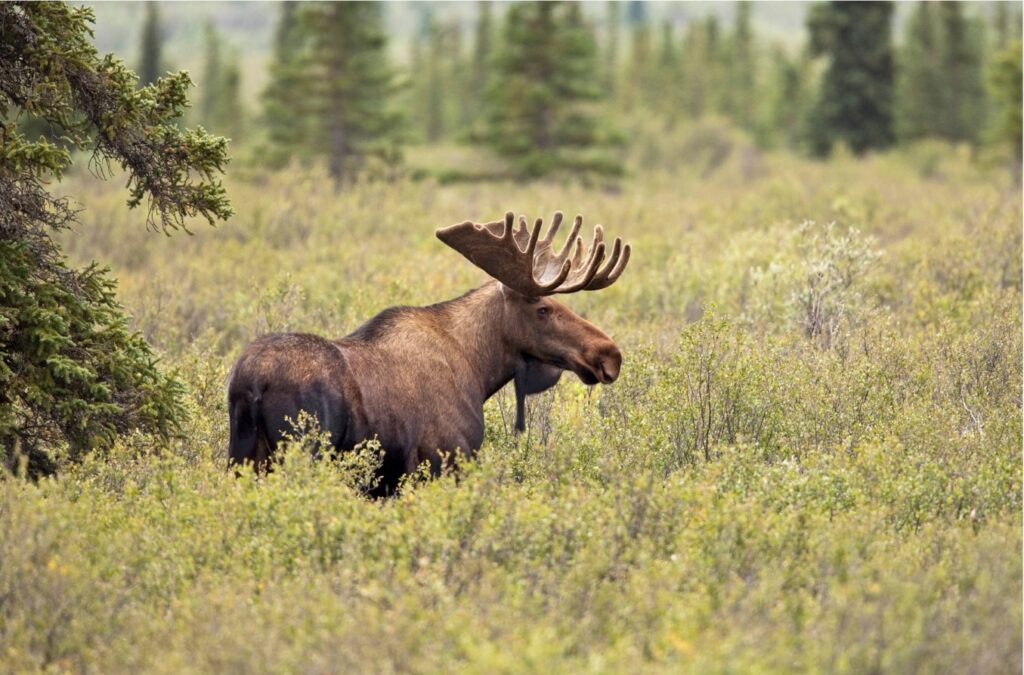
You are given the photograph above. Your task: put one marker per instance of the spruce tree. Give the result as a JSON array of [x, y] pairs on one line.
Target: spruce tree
[[963, 104], [73, 375], [459, 73], [349, 86], [1005, 85], [788, 98], [667, 76], [211, 83], [1006, 24], [286, 119], [221, 108], [331, 88], [716, 62], [700, 87], [611, 48], [639, 90], [920, 94], [545, 74], [229, 115], [434, 92], [855, 102], [483, 42], [150, 65], [742, 79], [1000, 24]]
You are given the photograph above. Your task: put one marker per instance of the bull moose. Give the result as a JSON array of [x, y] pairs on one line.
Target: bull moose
[[416, 378]]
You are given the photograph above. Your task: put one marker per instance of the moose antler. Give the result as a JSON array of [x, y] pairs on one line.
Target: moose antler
[[524, 262]]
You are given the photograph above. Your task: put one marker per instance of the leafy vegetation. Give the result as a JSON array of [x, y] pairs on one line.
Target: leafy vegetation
[[810, 463], [73, 374]]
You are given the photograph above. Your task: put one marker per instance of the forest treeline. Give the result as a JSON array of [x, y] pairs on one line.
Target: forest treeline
[[547, 87]]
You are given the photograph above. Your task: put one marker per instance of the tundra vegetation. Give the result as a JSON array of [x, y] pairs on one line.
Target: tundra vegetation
[[810, 460]]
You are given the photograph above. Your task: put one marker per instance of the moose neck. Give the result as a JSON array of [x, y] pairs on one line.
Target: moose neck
[[475, 324]]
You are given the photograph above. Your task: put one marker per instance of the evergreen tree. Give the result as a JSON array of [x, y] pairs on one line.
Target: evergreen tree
[[963, 105], [788, 102], [331, 88], [72, 373], [413, 97], [212, 74], [640, 81], [221, 108], [285, 116], [483, 41], [920, 91], [1006, 24], [666, 95], [150, 47], [544, 75], [716, 62], [229, 115], [459, 74], [433, 83], [855, 102], [1001, 24], [611, 62], [700, 67], [941, 90], [1005, 85], [742, 80], [348, 86]]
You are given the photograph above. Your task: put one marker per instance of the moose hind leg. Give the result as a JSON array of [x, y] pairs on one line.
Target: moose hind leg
[[244, 438]]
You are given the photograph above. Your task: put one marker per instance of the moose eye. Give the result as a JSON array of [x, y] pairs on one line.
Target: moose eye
[[543, 312]]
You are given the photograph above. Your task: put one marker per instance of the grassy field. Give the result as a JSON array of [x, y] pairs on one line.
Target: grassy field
[[811, 462]]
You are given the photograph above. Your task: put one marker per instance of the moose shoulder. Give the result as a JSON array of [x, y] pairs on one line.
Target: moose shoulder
[[416, 378]]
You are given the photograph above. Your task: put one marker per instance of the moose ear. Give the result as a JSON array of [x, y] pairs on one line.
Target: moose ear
[[531, 377]]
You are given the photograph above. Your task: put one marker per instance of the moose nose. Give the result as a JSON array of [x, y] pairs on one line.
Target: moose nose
[[609, 364]]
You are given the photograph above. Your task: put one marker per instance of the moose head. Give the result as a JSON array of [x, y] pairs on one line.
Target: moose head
[[416, 378], [549, 336]]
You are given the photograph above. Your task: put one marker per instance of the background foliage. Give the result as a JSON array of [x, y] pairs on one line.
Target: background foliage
[[797, 75]]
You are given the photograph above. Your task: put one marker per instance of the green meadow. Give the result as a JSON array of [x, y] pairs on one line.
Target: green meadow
[[810, 463]]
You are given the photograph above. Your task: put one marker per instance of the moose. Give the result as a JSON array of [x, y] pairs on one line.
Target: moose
[[416, 378]]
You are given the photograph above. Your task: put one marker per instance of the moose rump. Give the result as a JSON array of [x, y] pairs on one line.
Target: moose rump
[[276, 378], [357, 391]]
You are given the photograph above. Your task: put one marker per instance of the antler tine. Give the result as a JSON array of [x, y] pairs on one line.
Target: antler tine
[[510, 220], [582, 274], [577, 223], [531, 247], [613, 270], [556, 222]]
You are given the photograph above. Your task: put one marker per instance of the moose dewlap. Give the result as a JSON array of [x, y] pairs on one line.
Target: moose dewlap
[[416, 378]]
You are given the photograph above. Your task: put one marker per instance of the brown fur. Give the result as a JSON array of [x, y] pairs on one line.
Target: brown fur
[[416, 378]]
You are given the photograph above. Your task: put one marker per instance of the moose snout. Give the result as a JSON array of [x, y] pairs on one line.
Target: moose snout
[[609, 362]]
